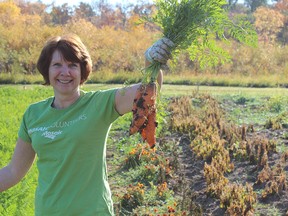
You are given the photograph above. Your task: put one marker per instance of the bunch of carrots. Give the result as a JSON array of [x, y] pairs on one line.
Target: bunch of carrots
[[186, 23]]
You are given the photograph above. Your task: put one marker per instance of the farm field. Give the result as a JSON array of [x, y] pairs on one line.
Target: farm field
[[221, 150]]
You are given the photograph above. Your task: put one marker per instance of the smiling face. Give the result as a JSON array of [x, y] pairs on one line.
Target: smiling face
[[71, 48], [64, 76]]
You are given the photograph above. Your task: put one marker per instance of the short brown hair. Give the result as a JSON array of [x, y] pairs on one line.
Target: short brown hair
[[72, 49]]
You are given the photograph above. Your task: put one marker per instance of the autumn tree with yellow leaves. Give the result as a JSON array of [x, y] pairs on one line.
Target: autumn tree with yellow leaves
[[268, 23]]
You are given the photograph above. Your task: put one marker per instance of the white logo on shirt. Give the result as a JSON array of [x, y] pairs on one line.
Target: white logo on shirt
[[51, 135], [57, 125]]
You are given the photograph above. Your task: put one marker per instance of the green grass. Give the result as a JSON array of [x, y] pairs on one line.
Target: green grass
[[184, 78], [176, 90], [173, 90], [18, 200], [270, 210]]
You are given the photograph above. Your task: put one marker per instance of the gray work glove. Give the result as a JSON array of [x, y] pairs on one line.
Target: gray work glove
[[160, 51]]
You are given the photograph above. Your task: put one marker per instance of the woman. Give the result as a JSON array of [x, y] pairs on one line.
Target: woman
[[68, 132]]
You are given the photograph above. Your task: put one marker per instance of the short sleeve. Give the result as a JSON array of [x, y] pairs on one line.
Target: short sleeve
[[108, 104], [23, 131]]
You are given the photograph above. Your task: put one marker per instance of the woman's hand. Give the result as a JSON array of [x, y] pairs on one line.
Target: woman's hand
[[160, 51]]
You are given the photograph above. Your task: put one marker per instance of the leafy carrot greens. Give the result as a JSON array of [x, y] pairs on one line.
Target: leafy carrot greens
[[190, 23]]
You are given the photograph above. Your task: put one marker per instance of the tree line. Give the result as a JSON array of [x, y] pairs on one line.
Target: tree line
[[110, 31]]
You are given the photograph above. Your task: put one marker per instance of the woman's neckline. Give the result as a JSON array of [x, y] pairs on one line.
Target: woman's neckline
[[52, 104]]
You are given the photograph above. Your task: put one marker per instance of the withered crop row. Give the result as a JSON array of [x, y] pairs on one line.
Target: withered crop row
[[218, 143]]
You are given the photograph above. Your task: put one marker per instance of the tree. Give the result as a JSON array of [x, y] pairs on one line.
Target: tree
[[123, 14], [268, 23], [282, 6], [84, 11], [9, 13], [36, 8], [239, 9], [61, 14], [104, 13], [254, 4], [32, 8], [232, 3]]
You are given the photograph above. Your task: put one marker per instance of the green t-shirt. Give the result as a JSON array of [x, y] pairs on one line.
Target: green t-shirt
[[71, 149]]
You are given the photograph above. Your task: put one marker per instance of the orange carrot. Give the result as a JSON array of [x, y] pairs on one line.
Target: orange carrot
[[138, 95], [140, 113], [143, 133], [138, 122], [144, 113], [148, 133], [150, 95]]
